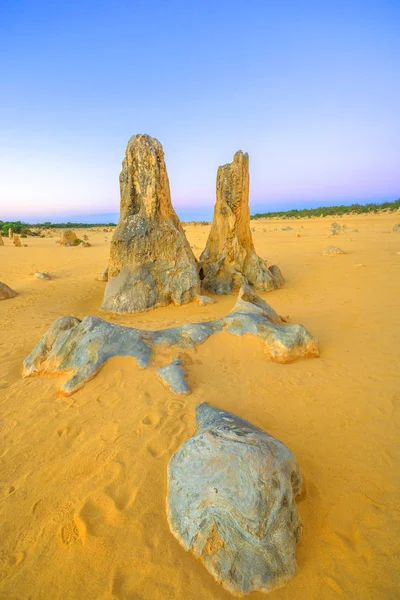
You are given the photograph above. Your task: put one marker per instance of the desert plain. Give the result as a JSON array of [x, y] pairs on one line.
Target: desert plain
[[83, 479]]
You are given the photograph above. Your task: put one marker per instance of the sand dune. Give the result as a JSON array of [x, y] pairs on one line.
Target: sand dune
[[83, 478]]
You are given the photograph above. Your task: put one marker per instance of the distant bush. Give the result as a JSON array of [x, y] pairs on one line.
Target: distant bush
[[328, 211], [23, 235], [15, 227]]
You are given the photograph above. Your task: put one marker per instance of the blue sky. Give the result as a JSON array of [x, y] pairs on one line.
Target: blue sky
[[309, 89]]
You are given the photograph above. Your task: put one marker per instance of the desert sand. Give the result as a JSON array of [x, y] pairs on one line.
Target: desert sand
[[83, 479]]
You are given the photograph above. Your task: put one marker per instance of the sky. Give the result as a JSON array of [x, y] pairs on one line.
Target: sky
[[309, 89]]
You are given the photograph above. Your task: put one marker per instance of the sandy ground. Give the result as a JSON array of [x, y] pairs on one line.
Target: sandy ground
[[83, 479]]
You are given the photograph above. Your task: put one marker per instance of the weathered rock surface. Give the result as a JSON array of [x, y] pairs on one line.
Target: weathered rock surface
[[231, 501], [41, 275], [84, 244], [229, 259], [396, 227], [80, 348], [1, 241], [151, 263], [16, 240], [332, 251], [69, 238], [6, 292], [85, 237], [10, 233]]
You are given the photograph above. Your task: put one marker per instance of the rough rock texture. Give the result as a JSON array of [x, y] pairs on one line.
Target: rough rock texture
[[396, 227], [16, 240], [69, 238], [231, 501], [85, 237], [332, 250], [84, 244], [10, 233], [151, 262], [80, 348], [1, 240], [41, 275], [229, 259], [6, 292]]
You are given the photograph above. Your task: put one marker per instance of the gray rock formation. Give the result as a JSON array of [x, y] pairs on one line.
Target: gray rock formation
[[229, 259], [231, 501], [151, 263], [80, 348], [6, 292], [41, 275]]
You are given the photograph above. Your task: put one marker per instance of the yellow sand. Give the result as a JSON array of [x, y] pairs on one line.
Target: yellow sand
[[83, 479]]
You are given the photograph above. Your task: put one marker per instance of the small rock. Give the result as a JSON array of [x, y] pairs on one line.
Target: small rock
[[104, 275], [6, 292], [85, 237], [336, 229], [204, 300], [174, 376], [288, 228], [396, 227], [84, 245], [332, 251], [69, 238], [16, 240], [358, 266], [41, 275], [297, 235]]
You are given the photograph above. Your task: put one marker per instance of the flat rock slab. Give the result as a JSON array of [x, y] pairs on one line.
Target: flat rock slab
[[80, 348], [231, 501]]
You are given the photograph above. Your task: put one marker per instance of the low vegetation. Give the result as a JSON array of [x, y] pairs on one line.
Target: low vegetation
[[24, 228], [328, 211]]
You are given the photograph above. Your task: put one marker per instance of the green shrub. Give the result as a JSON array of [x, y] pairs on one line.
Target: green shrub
[[23, 235]]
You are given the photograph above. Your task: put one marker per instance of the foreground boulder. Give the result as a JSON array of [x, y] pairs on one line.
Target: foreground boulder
[[229, 259], [69, 238], [6, 292], [80, 348], [151, 263], [231, 501]]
